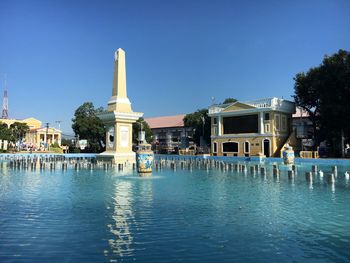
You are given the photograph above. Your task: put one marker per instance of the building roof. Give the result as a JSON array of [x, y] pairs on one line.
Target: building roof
[[166, 121], [31, 122], [267, 104], [44, 129], [300, 113]]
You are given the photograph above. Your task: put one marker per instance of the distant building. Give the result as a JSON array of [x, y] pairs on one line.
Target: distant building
[[38, 136], [303, 128], [259, 127], [31, 122], [42, 137], [169, 133]]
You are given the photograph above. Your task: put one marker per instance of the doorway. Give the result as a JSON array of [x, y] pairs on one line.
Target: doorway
[[266, 144]]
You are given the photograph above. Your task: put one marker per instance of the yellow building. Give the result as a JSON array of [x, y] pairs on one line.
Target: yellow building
[[37, 136], [31, 122], [251, 128], [42, 137]]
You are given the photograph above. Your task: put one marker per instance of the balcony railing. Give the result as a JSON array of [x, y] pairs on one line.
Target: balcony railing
[[274, 103]]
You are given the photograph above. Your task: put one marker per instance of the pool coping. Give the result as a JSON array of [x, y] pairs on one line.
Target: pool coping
[[184, 157]]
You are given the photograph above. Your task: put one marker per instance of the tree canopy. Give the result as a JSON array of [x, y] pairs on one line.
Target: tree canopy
[[88, 126], [136, 127], [19, 130], [229, 100], [5, 132], [324, 92], [196, 120]]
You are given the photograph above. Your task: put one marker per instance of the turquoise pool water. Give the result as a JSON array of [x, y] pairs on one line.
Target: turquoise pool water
[[189, 216]]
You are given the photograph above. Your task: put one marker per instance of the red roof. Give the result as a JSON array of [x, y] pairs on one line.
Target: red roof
[[166, 121]]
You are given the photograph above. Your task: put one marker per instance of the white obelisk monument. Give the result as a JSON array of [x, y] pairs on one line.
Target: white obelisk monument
[[119, 117]]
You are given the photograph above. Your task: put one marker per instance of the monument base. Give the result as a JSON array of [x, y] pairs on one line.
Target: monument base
[[118, 158]]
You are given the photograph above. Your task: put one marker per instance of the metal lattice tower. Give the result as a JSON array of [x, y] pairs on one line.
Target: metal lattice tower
[[5, 104]]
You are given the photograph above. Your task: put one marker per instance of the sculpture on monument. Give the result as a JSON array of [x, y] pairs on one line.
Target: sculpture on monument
[[119, 117]]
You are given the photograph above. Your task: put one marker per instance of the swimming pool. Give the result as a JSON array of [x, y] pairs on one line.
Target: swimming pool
[[186, 215]]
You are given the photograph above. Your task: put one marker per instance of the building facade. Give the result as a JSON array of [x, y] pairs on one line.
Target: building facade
[[38, 137], [303, 127], [252, 128], [41, 138], [169, 133]]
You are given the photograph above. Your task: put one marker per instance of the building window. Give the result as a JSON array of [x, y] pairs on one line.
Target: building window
[[241, 124], [267, 127], [215, 120], [284, 123], [230, 147], [246, 147], [215, 147], [267, 116], [277, 122]]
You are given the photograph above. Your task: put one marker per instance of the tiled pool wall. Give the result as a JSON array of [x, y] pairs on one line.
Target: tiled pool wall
[[7, 156], [253, 159], [272, 160]]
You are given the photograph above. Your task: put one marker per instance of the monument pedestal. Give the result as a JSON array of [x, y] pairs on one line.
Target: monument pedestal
[[117, 158], [119, 137]]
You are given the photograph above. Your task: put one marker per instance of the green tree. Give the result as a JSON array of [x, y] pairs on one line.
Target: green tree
[[229, 100], [88, 126], [200, 121], [19, 131], [65, 141], [307, 96], [136, 127], [324, 92], [5, 132]]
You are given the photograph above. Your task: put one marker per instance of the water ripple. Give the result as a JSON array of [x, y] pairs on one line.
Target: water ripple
[[172, 216]]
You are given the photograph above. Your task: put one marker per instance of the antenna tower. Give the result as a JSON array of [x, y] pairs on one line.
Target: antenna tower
[[5, 103]]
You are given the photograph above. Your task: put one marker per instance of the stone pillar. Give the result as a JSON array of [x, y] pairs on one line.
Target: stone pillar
[[219, 126], [5, 145], [262, 123], [37, 140]]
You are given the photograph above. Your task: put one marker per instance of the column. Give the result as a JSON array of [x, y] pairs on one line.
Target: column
[[219, 126], [261, 122], [37, 142]]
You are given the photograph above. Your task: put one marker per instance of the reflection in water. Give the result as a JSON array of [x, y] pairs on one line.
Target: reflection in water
[[4, 168], [4, 179], [311, 187], [124, 219], [123, 214]]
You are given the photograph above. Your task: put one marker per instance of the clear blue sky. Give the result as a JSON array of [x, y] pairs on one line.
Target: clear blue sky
[[59, 54]]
